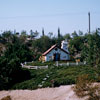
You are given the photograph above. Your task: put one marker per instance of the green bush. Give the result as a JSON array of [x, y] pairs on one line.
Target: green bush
[[39, 63], [61, 75]]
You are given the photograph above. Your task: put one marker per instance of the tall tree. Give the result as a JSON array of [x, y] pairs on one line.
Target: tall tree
[[6, 36], [80, 33], [59, 34], [23, 36], [75, 46], [36, 33], [74, 34], [91, 49], [42, 31], [50, 34], [10, 70]]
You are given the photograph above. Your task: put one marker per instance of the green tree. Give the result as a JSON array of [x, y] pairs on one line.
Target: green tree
[[74, 34], [7, 36], [41, 45], [91, 49], [23, 36], [43, 32], [36, 33], [67, 36], [75, 46], [80, 33], [50, 34], [10, 70], [59, 34]]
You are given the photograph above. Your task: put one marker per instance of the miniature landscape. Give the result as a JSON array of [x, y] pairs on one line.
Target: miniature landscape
[[21, 66], [49, 50]]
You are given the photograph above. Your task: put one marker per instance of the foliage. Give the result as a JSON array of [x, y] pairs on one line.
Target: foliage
[[74, 34], [85, 87], [6, 98], [41, 45], [75, 46], [82, 85], [10, 70], [16, 48], [61, 75], [38, 63], [67, 36], [91, 48]]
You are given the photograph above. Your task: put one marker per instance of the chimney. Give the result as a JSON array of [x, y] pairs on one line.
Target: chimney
[[64, 45]]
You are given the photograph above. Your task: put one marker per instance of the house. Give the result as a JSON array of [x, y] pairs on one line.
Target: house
[[56, 53]]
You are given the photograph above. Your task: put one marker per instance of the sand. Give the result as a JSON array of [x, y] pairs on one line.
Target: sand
[[59, 93]]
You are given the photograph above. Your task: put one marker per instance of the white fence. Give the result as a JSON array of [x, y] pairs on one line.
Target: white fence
[[70, 63], [56, 64], [35, 67]]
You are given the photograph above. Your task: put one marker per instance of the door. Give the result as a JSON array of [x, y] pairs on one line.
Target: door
[[56, 57]]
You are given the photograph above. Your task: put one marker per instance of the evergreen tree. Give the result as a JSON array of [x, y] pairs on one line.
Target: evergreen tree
[[42, 31], [59, 35], [91, 49]]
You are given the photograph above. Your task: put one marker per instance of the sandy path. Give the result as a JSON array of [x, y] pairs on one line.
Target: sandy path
[[60, 93]]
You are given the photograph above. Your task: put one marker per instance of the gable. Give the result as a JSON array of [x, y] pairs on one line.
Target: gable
[[54, 47]]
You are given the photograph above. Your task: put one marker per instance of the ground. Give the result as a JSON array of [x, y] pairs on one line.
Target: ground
[[59, 93]]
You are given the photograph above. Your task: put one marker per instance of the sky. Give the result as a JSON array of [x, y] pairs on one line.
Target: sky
[[68, 15]]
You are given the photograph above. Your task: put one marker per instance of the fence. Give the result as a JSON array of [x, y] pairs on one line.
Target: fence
[[35, 67], [56, 64], [70, 63]]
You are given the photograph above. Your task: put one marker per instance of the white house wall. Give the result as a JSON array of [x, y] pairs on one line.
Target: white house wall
[[63, 55]]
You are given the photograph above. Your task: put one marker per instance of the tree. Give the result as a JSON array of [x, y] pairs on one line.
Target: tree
[[6, 36], [91, 49], [50, 34], [36, 33], [23, 33], [74, 34], [43, 32], [67, 36], [41, 45], [75, 46], [23, 36], [10, 70], [18, 49], [59, 35], [31, 32], [80, 33]]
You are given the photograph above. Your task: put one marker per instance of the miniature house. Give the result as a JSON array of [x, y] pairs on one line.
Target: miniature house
[[56, 53]]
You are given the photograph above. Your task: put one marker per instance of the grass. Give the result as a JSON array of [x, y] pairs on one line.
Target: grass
[[38, 63], [64, 75]]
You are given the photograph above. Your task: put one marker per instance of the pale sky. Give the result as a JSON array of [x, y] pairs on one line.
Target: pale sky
[[69, 15]]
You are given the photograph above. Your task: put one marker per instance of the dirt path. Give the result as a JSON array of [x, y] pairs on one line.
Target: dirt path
[[60, 93]]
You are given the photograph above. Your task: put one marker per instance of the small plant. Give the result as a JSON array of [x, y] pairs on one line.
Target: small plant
[[6, 98], [85, 87]]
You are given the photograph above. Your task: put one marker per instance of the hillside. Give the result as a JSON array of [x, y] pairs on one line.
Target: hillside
[[61, 76], [60, 93]]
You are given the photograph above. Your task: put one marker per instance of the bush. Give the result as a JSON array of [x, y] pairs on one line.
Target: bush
[[61, 75], [39, 63], [6, 98], [85, 87]]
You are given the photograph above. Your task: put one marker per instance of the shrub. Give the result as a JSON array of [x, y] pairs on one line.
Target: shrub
[[6, 98], [85, 87]]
